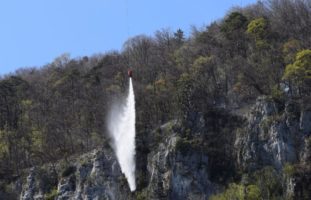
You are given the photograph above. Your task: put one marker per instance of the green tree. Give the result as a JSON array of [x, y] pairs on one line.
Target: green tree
[[252, 192], [233, 192], [300, 71], [290, 49], [233, 24], [268, 182], [233, 28], [258, 29], [179, 37]]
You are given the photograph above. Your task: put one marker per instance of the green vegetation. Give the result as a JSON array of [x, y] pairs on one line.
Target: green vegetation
[[258, 29], [301, 68], [68, 171], [141, 195], [52, 195], [290, 49], [300, 71], [239, 192], [252, 192], [234, 191], [263, 184], [233, 24], [57, 110], [184, 145], [289, 170]]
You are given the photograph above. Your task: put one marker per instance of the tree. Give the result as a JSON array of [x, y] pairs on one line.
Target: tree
[[300, 71], [140, 51], [233, 192], [234, 24], [179, 37], [258, 29], [233, 28], [290, 49], [291, 19]]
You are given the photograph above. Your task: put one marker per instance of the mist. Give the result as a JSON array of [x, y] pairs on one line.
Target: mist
[[121, 126]]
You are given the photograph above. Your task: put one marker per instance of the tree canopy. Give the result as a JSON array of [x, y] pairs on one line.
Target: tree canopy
[[59, 109]]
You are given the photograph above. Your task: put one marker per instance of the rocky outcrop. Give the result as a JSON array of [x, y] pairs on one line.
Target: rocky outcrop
[[178, 174], [30, 187], [95, 175], [273, 135], [175, 169], [178, 162], [172, 172], [305, 119]]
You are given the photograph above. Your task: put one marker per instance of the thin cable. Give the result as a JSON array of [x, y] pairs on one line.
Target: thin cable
[[127, 18], [127, 29]]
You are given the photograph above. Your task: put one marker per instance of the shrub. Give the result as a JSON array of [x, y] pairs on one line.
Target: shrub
[[234, 191], [52, 195], [289, 170], [258, 28], [184, 145], [68, 171], [253, 192], [141, 195]]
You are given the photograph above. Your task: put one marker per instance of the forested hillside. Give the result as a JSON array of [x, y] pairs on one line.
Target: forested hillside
[[59, 110]]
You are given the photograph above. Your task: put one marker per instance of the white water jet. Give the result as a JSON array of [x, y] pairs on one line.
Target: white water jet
[[121, 126]]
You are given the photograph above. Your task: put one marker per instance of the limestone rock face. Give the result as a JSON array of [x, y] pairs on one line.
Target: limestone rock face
[[177, 162], [30, 188], [172, 172], [178, 175], [273, 135], [305, 121], [172, 175], [95, 175]]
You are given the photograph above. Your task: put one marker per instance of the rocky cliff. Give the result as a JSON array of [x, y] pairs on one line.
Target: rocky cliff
[[278, 135], [171, 174], [274, 135], [95, 175], [176, 161]]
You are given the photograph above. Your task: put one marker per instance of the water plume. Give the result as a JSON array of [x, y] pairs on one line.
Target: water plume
[[121, 126]]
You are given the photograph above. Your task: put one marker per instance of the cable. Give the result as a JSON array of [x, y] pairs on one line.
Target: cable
[[127, 18], [127, 29]]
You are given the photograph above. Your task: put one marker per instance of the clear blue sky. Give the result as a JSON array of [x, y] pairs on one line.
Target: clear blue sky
[[34, 32]]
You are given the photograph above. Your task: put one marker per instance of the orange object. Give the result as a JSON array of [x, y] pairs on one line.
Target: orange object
[[130, 73]]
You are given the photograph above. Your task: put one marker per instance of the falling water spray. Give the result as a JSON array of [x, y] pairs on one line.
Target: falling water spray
[[121, 126]]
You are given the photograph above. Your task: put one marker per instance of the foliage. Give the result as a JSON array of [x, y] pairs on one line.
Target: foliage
[[290, 49], [289, 169], [141, 195], [3, 144], [253, 192], [276, 93], [262, 184], [184, 145], [258, 28], [269, 182], [300, 70], [234, 22], [234, 191], [68, 171], [52, 195], [57, 110]]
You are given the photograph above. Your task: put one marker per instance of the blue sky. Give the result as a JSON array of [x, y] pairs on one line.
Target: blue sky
[[34, 32]]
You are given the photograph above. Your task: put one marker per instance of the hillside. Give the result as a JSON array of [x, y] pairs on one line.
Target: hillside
[[222, 114]]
